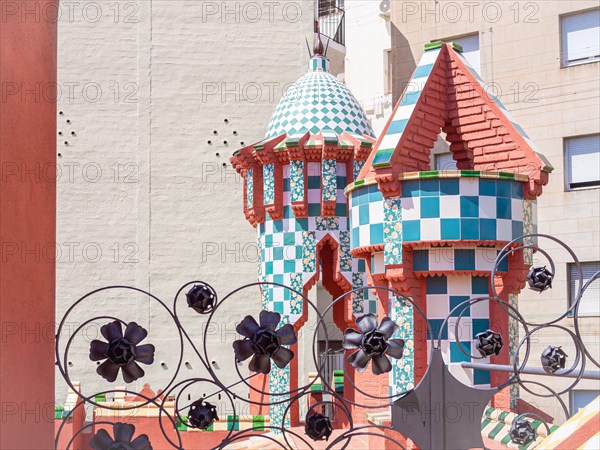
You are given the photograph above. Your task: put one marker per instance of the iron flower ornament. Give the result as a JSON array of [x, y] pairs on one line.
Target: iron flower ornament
[[123, 432], [553, 359], [521, 432], [318, 427], [373, 343], [263, 342], [489, 343], [539, 279], [202, 414], [201, 298], [121, 351]]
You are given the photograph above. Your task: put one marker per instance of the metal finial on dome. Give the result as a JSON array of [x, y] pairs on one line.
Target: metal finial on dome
[[319, 49]]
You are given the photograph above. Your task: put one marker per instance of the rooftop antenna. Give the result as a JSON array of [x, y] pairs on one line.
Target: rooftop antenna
[[309, 50]]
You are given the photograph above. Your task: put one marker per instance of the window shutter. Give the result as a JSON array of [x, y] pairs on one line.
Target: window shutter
[[444, 161], [583, 160], [590, 302], [581, 398], [470, 45], [581, 37]]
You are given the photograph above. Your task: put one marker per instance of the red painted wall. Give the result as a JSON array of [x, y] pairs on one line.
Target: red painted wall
[[27, 222]]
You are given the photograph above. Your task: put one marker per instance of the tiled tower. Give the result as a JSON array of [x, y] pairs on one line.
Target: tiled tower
[[316, 144], [442, 230]]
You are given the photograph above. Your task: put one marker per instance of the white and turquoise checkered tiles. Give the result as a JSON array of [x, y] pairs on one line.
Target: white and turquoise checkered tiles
[[317, 101], [288, 246], [317, 63], [461, 209], [490, 92], [443, 293], [405, 108], [449, 259], [366, 217], [437, 209]]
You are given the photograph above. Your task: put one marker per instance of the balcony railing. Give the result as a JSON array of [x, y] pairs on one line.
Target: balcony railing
[[332, 20]]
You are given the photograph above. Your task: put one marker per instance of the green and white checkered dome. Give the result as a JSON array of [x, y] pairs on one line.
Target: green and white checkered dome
[[317, 101]]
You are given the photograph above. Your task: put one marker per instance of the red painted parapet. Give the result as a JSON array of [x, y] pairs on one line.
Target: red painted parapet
[[27, 222]]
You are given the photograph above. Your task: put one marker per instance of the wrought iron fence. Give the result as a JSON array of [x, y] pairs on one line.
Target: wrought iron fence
[[125, 345]]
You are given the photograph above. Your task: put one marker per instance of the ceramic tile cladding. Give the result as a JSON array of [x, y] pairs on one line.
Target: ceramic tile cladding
[[366, 216], [402, 376], [392, 231], [269, 183], [443, 295], [467, 208]]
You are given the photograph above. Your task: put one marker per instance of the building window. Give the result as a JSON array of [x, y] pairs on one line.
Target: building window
[[580, 38], [588, 305], [388, 69], [444, 161], [332, 20], [470, 46], [582, 161], [327, 7], [580, 398]]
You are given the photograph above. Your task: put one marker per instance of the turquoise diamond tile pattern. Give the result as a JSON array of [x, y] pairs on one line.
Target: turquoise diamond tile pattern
[[366, 216], [392, 231], [249, 188], [407, 104], [318, 100], [443, 293], [403, 377], [462, 208]]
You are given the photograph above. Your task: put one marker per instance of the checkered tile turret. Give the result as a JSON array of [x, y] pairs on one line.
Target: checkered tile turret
[[318, 100]]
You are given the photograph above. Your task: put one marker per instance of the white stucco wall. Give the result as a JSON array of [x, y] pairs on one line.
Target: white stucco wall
[[367, 39], [143, 199]]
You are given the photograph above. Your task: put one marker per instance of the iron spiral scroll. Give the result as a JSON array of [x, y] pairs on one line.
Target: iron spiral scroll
[[263, 343]]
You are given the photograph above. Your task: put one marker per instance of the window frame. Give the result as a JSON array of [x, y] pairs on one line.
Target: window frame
[[569, 294], [436, 160], [466, 35], [388, 72], [572, 398], [567, 166], [563, 56]]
